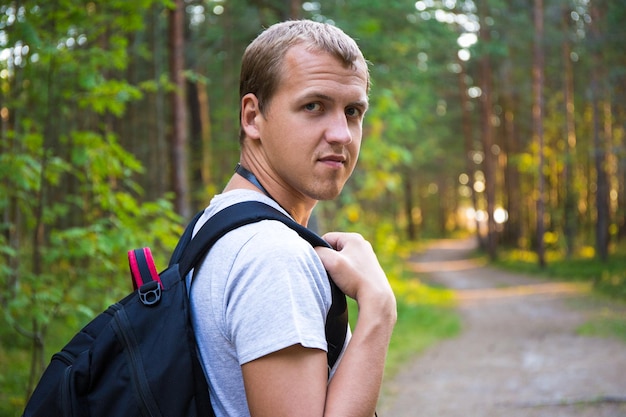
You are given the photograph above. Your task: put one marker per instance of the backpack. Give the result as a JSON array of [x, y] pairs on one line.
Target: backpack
[[139, 357]]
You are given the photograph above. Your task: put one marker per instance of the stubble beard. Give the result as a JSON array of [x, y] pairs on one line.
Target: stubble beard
[[328, 189]]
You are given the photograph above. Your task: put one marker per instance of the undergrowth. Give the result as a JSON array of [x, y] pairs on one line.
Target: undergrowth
[[608, 279], [425, 316]]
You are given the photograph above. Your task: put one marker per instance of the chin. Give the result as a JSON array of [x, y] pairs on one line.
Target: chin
[[327, 194]]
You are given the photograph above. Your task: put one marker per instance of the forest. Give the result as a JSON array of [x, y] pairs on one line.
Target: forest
[[119, 120]]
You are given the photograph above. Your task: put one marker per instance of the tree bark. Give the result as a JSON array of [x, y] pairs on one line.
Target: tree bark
[[513, 228], [158, 153], [408, 206], [178, 134], [599, 144], [295, 9], [468, 141], [538, 110], [570, 204], [489, 163]]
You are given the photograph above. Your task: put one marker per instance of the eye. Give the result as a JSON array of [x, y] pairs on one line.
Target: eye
[[353, 112], [313, 107]]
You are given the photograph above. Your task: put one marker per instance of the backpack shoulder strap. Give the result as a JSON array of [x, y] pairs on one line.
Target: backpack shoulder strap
[[229, 219], [184, 239], [189, 252]]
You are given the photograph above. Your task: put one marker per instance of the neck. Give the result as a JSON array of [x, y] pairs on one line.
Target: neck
[[239, 169], [245, 179]]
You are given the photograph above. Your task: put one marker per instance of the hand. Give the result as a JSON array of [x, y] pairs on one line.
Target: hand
[[354, 267]]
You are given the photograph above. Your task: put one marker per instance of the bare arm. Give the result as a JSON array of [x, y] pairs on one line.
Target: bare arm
[[354, 389], [293, 381]]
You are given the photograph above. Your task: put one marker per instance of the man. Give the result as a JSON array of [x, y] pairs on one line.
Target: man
[[259, 310]]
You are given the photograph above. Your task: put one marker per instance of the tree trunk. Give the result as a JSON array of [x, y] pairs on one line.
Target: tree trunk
[[570, 204], [229, 150], [37, 331], [408, 205], [178, 134], [468, 141], [602, 191], [621, 179], [599, 144], [207, 151], [295, 9], [513, 227], [538, 109], [200, 142], [159, 151], [487, 132]]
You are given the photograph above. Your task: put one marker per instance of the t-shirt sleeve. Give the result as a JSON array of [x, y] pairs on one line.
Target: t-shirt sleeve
[[278, 295]]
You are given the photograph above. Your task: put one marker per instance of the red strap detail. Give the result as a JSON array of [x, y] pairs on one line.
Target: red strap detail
[[135, 275], [150, 261], [141, 261]]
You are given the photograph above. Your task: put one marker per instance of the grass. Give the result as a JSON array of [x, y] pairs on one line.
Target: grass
[[608, 279], [606, 316], [418, 327], [581, 267], [605, 327], [426, 313], [425, 316], [14, 365], [15, 361]]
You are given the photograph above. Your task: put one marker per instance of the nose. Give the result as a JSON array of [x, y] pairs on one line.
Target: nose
[[338, 130]]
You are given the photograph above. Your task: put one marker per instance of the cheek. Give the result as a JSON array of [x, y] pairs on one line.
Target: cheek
[[355, 145], [356, 130], [283, 129], [354, 157]]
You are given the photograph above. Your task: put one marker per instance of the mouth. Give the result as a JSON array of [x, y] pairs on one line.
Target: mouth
[[334, 160]]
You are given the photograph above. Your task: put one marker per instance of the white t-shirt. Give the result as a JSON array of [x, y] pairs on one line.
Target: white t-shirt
[[261, 289]]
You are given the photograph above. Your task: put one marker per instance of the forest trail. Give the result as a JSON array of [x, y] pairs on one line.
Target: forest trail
[[518, 353]]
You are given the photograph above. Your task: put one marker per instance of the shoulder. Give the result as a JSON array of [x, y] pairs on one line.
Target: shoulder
[[267, 238], [221, 201], [271, 248], [273, 236]]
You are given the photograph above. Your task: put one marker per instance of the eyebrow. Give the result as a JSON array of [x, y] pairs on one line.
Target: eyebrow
[[364, 104]]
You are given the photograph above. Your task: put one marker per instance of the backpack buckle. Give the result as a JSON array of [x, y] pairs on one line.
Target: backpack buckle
[[150, 293]]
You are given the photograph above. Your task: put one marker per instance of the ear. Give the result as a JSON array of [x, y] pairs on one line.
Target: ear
[[249, 116]]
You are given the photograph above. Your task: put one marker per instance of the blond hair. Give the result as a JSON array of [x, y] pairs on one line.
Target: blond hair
[[262, 61]]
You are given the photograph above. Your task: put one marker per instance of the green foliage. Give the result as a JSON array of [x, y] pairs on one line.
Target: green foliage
[[605, 327], [68, 193], [84, 124], [82, 261], [607, 277], [110, 97]]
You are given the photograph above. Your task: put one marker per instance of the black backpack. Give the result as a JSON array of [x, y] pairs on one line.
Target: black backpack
[[139, 357]]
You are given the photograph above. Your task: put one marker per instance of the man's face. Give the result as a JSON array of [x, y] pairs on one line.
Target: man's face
[[312, 127]]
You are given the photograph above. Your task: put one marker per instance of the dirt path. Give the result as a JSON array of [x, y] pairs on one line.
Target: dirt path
[[518, 354]]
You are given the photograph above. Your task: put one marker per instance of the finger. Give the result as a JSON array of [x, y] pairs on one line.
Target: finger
[[328, 257], [334, 263], [333, 239]]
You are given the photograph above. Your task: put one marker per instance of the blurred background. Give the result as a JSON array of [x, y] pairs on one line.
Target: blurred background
[[501, 120]]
